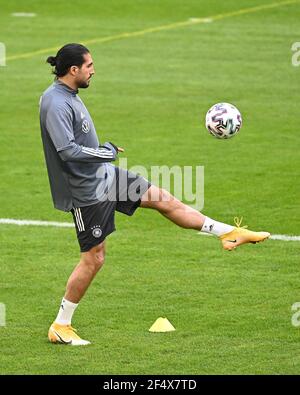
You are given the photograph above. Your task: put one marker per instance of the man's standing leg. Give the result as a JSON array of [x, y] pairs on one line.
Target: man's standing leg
[[90, 263]]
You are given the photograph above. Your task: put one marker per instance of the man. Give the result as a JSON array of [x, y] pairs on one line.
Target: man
[[83, 181]]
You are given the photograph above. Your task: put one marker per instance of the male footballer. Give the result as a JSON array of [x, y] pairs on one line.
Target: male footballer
[[84, 181]]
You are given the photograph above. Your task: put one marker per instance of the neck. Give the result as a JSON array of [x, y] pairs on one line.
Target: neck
[[69, 82]]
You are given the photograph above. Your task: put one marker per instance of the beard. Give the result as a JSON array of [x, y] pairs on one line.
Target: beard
[[83, 84]]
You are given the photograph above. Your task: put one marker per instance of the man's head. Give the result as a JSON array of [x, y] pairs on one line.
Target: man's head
[[73, 63]]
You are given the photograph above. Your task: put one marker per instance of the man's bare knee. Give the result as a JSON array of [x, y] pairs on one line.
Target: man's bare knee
[[94, 258], [157, 198]]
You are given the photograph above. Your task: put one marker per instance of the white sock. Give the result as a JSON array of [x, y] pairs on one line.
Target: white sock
[[215, 228], [66, 311]]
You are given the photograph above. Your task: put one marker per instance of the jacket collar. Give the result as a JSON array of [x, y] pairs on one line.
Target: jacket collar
[[65, 87]]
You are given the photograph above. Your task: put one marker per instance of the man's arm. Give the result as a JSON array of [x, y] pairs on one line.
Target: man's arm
[[59, 123], [79, 153]]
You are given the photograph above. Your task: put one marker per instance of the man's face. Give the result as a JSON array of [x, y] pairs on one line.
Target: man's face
[[85, 72]]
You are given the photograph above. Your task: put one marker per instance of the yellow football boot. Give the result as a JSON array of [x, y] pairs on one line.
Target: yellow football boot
[[240, 235], [65, 334]]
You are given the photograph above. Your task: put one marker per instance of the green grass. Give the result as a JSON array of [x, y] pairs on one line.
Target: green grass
[[231, 311]]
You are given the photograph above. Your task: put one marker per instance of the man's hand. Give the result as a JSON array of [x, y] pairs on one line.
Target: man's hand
[[118, 149]]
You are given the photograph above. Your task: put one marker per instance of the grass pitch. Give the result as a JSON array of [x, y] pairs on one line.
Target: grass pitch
[[231, 311]]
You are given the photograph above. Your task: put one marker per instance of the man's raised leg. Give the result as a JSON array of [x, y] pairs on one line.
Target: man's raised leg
[[172, 208], [187, 217]]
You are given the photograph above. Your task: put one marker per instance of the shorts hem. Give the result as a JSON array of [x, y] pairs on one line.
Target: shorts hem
[[93, 244], [136, 204]]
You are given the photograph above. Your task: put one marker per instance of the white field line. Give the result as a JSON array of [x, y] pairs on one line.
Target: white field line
[[285, 237], [24, 14], [22, 222], [272, 237]]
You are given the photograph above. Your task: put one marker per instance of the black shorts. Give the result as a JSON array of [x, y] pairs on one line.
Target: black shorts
[[93, 223]]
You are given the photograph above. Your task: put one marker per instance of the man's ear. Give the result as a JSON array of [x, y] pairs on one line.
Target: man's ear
[[73, 70]]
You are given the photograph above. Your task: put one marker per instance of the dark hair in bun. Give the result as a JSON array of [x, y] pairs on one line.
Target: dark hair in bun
[[51, 60], [69, 55]]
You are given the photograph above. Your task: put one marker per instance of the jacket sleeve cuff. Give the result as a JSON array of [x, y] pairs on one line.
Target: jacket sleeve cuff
[[112, 147]]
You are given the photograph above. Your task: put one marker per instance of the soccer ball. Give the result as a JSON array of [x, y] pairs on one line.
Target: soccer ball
[[223, 120]]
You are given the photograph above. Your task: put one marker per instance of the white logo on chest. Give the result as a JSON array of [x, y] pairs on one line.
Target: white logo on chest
[[85, 126]]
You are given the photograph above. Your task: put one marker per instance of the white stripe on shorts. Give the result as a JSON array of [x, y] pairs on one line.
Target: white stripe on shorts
[[76, 218], [80, 216], [79, 220]]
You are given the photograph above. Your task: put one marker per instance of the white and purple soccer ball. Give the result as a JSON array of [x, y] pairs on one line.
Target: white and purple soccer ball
[[223, 120]]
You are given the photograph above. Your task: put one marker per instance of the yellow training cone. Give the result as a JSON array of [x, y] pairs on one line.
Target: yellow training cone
[[162, 325]]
